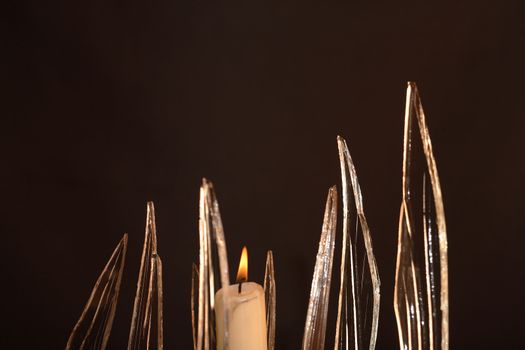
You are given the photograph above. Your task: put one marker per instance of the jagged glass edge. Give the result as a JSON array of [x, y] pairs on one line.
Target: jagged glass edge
[[149, 292], [315, 325], [407, 310], [349, 178], [270, 299], [102, 303], [211, 235]]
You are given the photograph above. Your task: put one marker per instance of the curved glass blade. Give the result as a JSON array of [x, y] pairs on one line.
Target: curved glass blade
[[146, 323], [93, 328], [359, 292], [270, 299], [315, 326], [421, 286]]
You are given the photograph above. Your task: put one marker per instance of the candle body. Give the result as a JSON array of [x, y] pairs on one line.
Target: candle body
[[247, 317]]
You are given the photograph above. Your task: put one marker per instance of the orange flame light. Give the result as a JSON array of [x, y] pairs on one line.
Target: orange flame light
[[242, 273]]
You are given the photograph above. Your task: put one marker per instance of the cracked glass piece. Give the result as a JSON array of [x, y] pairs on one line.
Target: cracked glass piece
[[359, 292], [212, 248], [315, 326], [93, 328], [146, 323], [270, 299], [421, 284]]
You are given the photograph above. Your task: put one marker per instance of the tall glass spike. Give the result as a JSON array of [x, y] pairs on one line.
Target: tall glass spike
[[206, 276], [93, 328], [146, 323], [421, 284], [359, 294], [315, 325], [270, 296]]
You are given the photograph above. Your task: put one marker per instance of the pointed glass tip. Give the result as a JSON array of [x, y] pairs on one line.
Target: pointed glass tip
[[93, 328]]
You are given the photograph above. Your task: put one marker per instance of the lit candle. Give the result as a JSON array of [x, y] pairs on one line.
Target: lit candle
[[247, 313]]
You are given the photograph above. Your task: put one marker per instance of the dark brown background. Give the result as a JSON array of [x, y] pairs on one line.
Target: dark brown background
[[108, 104]]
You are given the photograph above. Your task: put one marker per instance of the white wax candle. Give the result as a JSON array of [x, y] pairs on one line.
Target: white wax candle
[[247, 317]]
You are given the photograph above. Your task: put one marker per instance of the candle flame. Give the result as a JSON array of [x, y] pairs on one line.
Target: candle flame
[[242, 273]]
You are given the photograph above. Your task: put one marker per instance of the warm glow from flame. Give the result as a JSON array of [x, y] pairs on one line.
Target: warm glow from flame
[[242, 273]]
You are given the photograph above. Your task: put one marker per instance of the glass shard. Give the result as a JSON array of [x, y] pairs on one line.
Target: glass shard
[[146, 323], [194, 301], [270, 299], [93, 328], [359, 291], [421, 285], [315, 326], [212, 248]]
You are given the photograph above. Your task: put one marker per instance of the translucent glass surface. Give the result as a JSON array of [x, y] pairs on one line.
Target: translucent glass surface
[[421, 284], [93, 328], [359, 292], [315, 326], [212, 248], [146, 323]]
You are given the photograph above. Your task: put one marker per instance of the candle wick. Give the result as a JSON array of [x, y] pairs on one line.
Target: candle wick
[[240, 287]]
